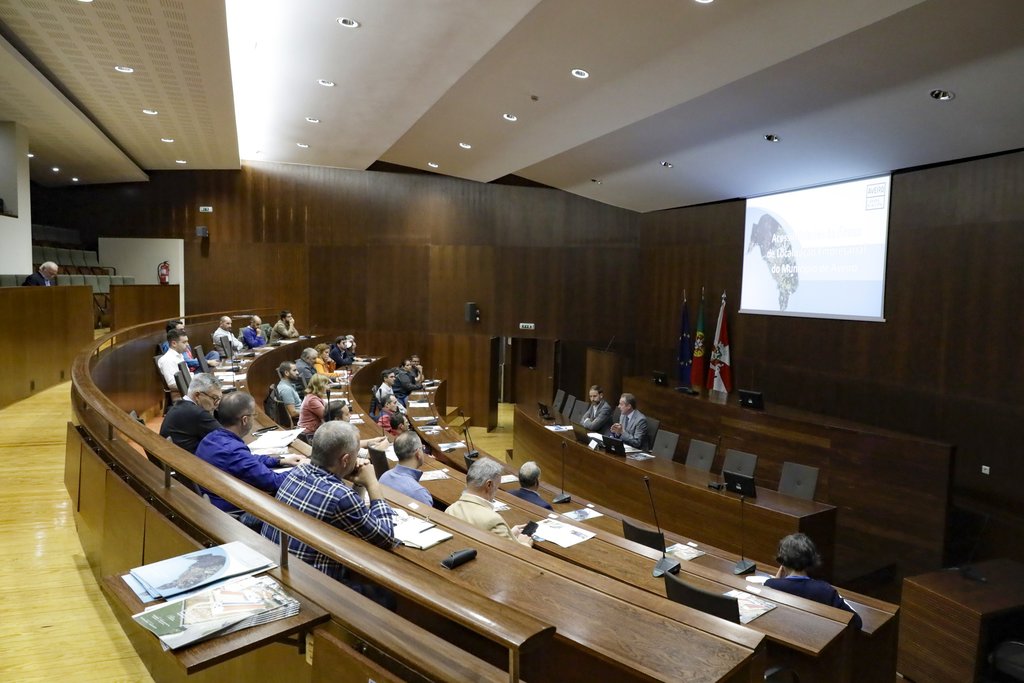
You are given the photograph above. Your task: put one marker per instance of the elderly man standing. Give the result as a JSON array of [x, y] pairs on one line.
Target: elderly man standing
[[529, 482], [251, 334], [474, 505], [191, 418], [319, 489], [223, 331], [44, 277]]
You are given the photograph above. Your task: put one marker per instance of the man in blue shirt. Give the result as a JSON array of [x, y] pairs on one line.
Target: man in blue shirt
[[251, 335], [529, 482], [224, 448], [405, 476]]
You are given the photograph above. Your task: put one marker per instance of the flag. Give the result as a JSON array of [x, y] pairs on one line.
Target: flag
[[697, 370], [720, 372], [685, 346]]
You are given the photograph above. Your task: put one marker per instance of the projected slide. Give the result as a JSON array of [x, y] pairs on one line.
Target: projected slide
[[818, 252]]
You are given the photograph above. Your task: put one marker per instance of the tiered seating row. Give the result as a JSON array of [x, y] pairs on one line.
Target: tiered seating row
[[71, 260]]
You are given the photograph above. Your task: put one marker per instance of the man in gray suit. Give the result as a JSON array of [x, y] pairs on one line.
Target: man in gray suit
[[632, 424], [599, 413]]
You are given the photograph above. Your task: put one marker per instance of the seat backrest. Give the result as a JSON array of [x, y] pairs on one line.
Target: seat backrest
[[37, 254], [273, 406], [653, 425], [379, 460], [81, 281], [102, 284], [559, 401], [570, 403], [648, 537], [78, 257], [91, 281], [9, 281], [700, 455], [578, 411], [799, 481], [117, 279], [91, 259], [740, 461], [50, 254], [64, 257], [129, 279], [716, 604], [665, 444], [181, 382]]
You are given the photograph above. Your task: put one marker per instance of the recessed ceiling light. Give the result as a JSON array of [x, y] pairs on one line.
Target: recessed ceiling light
[[56, 169], [124, 69], [667, 164], [180, 161], [303, 145], [310, 119], [74, 180], [326, 83], [30, 155], [85, 1], [150, 112], [510, 117], [595, 180], [431, 164], [580, 73], [771, 137], [465, 145], [348, 23], [166, 139], [942, 95], [705, 2]]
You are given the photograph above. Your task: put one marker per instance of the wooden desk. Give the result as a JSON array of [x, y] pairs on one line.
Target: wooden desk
[[685, 504], [948, 621]]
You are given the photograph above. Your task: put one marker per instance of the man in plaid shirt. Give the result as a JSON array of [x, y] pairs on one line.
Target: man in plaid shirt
[[317, 488]]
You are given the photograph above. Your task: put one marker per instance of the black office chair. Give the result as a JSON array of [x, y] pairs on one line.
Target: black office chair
[[570, 403], [556, 405], [578, 411], [379, 460], [740, 461], [653, 426], [700, 455], [1008, 660], [716, 604], [275, 409], [181, 382], [799, 481], [647, 537], [665, 444]]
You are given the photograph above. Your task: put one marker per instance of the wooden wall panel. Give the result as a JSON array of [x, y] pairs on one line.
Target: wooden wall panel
[[137, 304]]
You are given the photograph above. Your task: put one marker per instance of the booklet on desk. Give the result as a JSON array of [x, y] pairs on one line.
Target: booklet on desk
[[194, 570], [419, 533]]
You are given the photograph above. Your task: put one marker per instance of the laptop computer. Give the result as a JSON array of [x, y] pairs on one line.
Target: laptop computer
[[751, 399], [740, 483], [581, 434], [545, 412], [614, 446]]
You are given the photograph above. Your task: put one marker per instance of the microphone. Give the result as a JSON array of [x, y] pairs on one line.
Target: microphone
[[743, 565], [610, 342], [666, 565], [472, 454], [563, 497]]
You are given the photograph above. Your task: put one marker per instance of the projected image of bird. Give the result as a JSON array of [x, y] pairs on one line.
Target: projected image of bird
[[777, 253]]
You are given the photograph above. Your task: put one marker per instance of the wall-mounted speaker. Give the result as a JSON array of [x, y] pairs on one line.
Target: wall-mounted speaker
[[472, 312]]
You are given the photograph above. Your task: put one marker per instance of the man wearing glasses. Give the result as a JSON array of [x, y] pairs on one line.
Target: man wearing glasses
[[191, 418]]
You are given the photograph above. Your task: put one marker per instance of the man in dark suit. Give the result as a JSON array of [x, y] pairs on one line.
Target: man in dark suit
[[599, 413], [44, 277], [632, 424], [191, 418], [529, 481]]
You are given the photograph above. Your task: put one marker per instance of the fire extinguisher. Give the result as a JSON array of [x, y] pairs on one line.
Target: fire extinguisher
[[163, 273]]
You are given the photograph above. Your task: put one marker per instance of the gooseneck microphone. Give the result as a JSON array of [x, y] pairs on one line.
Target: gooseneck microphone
[[666, 565], [472, 454], [563, 497], [743, 565]]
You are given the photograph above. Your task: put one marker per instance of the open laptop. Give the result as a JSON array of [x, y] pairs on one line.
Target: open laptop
[[614, 446], [740, 483], [581, 434], [751, 399], [545, 412]]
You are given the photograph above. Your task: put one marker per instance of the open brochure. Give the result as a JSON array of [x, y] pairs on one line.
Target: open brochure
[[751, 606], [682, 551], [184, 573], [560, 534], [419, 533]]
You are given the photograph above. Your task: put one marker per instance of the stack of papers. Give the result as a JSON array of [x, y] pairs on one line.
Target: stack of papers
[[582, 514], [184, 573], [681, 551], [751, 607], [419, 404], [276, 439], [509, 479], [419, 533], [433, 475], [450, 446], [559, 428], [637, 455], [560, 534], [239, 603]]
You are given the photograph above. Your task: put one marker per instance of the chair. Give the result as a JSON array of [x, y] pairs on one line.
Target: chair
[[559, 400], [181, 383], [1008, 659], [64, 257], [265, 329], [777, 674], [91, 260], [578, 411], [570, 403], [653, 425], [77, 280], [647, 537], [379, 460], [50, 254], [700, 455], [116, 279], [89, 280], [78, 259], [799, 481], [740, 461], [665, 444], [716, 604], [129, 279], [37, 254], [273, 406], [9, 281]]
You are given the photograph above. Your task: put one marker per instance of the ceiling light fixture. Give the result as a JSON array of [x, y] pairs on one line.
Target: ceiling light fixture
[[85, 1], [580, 73], [74, 180], [348, 23], [667, 164], [326, 83], [166, 139], [310, 119], [180, 161], [56, 169], [303, 145], [942, 95], [150, 112], [771, 137], [465, 145], [124, 69], [431, 164], [705, 2], [510, 117], [30, 155]]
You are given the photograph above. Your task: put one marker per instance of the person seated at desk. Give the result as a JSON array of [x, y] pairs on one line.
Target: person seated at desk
[[387, 420], [417, 367], [405, 476], [177, 342], [632, 424], [383, 390], [797, 556], [341, 410], [405, 381], [212, 357], [324, 364], [44, 277], [474, 505], [223, 331], [191, 418], [252, 337], [399, 424], [311, 412], [284, 328], [343, 351], [224, 449], [599, 413], [305, 365], [319, 489], [529, 482], [287, 392]]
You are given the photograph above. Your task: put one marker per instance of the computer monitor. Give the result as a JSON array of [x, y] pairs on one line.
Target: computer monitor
[[201, 357], [226, 350], [545, 412], [581, 434], [659, 378], [740, 483], [751, 399]]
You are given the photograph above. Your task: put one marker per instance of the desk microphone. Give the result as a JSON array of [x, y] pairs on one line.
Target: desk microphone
[[472, 454], [666, 565], [743, 566], [562, 497]]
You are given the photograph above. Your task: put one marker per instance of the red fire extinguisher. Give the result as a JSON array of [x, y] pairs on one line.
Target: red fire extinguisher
[[163, 273]]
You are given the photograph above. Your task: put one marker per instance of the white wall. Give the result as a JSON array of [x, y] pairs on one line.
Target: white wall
[[141, 257], [15, 233]]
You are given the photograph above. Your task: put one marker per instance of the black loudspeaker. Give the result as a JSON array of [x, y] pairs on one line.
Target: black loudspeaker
[[472, 312], [202, 231]]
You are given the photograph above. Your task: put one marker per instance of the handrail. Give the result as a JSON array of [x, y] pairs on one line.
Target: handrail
[[513, 630]]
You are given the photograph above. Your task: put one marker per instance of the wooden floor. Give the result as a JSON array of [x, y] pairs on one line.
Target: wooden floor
[[54, 622]]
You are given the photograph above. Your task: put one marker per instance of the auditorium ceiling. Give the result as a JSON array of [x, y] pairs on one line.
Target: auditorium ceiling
[[679, 97]]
